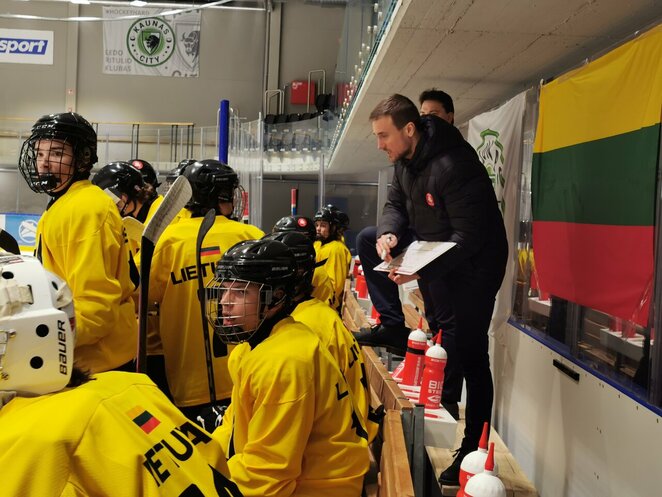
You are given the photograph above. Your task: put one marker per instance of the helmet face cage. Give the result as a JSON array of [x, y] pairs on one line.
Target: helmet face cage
[[238, 203], [66, 143], [249, 268], [60, 156], [243, 303], [37, 328]]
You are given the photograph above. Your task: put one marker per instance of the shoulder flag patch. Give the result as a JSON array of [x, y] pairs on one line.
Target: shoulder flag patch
[[143, 419], [204, 251]]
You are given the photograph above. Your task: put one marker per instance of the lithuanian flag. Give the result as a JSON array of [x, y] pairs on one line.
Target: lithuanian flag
[[143, 419], [594, 177]]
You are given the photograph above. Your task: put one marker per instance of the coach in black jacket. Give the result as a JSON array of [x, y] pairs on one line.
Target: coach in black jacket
[[441, 192]]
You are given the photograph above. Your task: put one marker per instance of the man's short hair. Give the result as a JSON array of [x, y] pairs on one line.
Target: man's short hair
[[438, 96], [400, 108]]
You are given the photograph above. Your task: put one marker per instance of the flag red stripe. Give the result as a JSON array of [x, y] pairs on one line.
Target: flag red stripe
[[150, 425], [605, 267], [210, 251]]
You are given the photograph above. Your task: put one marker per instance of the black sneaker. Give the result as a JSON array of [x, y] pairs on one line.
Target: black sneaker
[[393, 338], [452, 408], [451, 475]]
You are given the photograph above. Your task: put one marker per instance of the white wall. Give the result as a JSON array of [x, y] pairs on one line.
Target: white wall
[[231, 65], [32, 89], [313, 34], [579, 439]]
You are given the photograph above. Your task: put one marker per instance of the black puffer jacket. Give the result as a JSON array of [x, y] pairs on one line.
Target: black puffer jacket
[[443, 193]]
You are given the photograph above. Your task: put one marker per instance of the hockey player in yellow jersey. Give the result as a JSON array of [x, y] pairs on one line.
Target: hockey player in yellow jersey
[[331, 249], [126, 188], [80, 238], [292, 428], [173, 285], [328, 326], [65, 433], [125, 185], [322, 286]]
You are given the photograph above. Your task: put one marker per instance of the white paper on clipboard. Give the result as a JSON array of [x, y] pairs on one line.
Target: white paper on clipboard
[[417, 255]]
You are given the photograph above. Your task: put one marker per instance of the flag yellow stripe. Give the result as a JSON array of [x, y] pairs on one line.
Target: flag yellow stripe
[[618, 93], [135, 411]]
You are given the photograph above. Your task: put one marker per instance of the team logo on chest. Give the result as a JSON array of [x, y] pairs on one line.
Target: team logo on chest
[[429, 199]]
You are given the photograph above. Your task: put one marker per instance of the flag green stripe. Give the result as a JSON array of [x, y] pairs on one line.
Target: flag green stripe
[[142, 418], [609, 181]]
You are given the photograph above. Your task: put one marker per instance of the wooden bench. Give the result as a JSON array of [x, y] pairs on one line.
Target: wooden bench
[[394, 478], [353, 314], [390, 473], [416, 299], [382, 384], [388, 450]]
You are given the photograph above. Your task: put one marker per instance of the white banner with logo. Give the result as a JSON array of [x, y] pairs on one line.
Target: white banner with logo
[[26, 46], [497, 138], [136, 41]]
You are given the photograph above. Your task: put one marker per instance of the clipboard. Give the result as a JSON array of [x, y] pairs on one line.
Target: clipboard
[[416, 256]]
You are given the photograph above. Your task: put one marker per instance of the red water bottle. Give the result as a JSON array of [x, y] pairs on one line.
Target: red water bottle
[[433, 375], [397, 372], [412, 373]]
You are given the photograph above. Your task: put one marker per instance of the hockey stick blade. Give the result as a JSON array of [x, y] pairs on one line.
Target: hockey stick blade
[[179, 194], [176, 198], [8, 243], [205, 226], [134, 228]]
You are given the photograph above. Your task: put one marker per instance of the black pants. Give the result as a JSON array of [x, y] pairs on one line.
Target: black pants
[[438, 311], [157, 373]]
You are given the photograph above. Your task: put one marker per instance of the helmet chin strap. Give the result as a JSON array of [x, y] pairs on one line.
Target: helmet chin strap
[[123, 210], [45, 182]]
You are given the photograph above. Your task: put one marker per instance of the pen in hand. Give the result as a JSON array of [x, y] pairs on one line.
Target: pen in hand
[[388, 240]]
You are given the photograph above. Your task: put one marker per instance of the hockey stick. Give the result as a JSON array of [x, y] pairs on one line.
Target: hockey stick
[[176, 198], [9, 243], [134, 228], [205, 226]]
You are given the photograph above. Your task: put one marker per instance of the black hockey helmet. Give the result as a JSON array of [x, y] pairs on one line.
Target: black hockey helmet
[[120, 178], [149, 174], [177, 171], [304, 254], [327, 214], [72, 130], [212, 182], [300, 224], [270, 265], [341, 218]]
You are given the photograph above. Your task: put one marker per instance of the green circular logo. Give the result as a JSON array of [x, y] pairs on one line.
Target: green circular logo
[[150, 41]]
